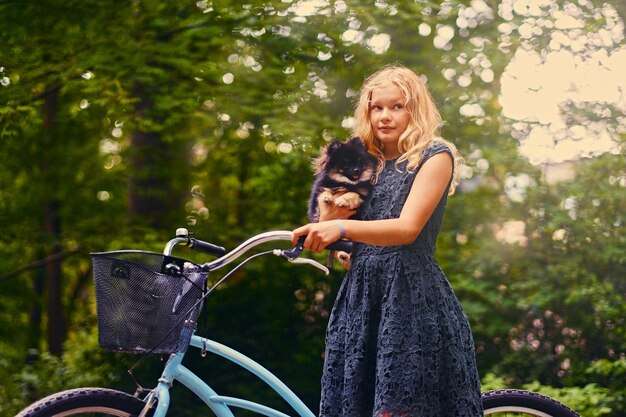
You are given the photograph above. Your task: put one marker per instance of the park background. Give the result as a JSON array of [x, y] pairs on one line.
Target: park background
[[121, 121]]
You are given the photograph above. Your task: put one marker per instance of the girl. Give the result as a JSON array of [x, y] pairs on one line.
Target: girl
[[398, 342]]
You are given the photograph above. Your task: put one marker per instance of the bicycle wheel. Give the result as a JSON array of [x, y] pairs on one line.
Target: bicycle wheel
[[513, 402], [85, 402]]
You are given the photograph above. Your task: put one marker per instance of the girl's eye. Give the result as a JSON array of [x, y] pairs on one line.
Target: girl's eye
[[399, 106]]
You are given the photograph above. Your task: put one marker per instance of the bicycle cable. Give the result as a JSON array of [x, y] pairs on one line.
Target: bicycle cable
[[185, 316]]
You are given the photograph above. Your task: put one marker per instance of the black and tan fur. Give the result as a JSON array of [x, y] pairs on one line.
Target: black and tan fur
[[343, 167]]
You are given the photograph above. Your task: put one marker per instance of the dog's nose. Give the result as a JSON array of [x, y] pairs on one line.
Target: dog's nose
[[356, 172]]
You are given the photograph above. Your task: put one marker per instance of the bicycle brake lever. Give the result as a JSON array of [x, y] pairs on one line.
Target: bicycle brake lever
[[292, 256], [310, 262], [295, 252]]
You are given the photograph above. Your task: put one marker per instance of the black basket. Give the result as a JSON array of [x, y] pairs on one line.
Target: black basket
[[143, 298]]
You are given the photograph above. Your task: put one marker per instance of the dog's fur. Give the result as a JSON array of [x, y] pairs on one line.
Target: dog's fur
[[342, 167]]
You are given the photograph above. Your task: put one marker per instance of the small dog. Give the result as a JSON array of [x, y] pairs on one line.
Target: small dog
[[342, 167]]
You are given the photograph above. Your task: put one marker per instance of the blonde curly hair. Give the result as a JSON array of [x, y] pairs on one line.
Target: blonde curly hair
[[424, 124]]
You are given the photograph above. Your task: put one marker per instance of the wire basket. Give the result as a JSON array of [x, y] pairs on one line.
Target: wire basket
[[143, 299]]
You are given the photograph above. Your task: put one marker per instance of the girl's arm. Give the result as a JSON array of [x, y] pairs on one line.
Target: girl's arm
[[428, 187]]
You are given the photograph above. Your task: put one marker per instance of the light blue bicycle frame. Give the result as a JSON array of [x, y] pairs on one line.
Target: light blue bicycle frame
[[175, 371]]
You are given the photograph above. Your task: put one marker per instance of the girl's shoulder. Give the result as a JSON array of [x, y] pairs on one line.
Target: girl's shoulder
[[437, 146]]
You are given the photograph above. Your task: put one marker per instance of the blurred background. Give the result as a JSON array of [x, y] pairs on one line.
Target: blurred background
[[121, 121]]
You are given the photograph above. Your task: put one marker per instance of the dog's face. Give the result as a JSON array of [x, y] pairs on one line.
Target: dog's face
[[348, 162], [344, 172]]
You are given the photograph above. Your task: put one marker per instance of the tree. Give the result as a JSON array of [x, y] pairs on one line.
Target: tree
[[208, 113]]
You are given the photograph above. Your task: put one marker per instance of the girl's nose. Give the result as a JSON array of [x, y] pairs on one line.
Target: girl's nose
[[385, 115]]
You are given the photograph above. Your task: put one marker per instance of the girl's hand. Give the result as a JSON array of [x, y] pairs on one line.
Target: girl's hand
[[318, 235], [330, 211]]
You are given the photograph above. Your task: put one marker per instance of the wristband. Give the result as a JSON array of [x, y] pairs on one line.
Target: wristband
[[342, 229]]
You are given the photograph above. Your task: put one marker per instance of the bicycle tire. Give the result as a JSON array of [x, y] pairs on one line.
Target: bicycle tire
[[514, 402], [85, 402]]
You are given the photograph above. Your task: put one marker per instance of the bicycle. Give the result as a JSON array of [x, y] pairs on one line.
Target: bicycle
[[170, 291]]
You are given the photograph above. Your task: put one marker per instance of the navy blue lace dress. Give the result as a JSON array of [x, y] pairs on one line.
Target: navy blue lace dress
[[398, 343]]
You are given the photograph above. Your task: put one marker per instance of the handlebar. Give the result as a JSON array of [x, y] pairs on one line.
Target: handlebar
[[255, 240], [342, 245], [182, 236], [206, 247]]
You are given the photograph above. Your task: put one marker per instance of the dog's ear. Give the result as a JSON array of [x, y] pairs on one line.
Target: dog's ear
[[334, 145], [318, 164], [357, 141]]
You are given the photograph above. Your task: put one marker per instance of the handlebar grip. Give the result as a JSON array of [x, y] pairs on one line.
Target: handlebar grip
[[342, 245], [206, 247]]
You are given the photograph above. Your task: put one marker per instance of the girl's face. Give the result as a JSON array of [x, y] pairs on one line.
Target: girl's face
[[388, 117]]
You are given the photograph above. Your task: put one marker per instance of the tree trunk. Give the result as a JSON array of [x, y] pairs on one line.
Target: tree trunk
[[144, 187], [156, 168], [35, 314], [52, 228], [242, 197]]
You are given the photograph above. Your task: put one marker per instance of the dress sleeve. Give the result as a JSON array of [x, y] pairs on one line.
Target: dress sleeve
[[434, 149]]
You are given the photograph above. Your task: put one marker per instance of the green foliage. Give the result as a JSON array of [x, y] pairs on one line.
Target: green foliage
[[589, 400], [610, 373], [210, 112], [82, 364]]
